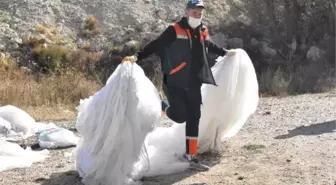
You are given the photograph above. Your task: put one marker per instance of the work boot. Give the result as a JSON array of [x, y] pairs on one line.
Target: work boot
[[195, 164]]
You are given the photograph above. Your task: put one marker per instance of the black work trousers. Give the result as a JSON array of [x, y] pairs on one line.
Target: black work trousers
[[185, 106]]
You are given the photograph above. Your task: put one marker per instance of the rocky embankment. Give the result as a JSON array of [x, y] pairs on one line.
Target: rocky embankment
[[102, 31]]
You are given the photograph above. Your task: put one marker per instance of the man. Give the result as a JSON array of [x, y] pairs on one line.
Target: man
[[183, 49]]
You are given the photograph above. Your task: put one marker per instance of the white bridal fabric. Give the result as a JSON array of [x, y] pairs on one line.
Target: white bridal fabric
[[114, 123], [227, 107], [119, 143]]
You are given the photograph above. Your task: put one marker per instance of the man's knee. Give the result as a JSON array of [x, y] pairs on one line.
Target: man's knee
[[177, 115], [180, 119]]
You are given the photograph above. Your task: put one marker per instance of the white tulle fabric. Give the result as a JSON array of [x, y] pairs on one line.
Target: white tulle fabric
[[119, 145], [114, 123]]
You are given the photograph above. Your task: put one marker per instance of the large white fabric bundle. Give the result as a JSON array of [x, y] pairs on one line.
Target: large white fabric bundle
[[225, 110], [112, 138], [227, 107], [114, 123]]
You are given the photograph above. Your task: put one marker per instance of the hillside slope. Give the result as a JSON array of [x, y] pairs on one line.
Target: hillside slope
[[117, 18]]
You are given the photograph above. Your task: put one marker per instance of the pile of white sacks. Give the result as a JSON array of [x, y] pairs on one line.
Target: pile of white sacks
[[15, 125]]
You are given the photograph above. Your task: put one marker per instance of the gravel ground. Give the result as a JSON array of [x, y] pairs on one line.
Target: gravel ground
[[289, 140]]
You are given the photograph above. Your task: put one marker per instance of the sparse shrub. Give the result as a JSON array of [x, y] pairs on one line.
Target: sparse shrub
[[274, 82], [84, 61], [91, 27], [41, 29], [51, 57], [52, 54], [34, 41], [90, 23]]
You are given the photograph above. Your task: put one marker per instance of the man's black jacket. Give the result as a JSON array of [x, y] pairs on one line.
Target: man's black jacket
[[169, 36]]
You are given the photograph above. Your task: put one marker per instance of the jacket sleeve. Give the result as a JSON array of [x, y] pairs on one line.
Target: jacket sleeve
[[166, 38], [214, 48]]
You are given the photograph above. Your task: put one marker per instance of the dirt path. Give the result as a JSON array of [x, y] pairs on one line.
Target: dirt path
[[294, 144]]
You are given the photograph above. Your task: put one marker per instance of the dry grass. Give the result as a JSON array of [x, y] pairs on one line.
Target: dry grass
[[91, 27], [54, 113], [46, 97]]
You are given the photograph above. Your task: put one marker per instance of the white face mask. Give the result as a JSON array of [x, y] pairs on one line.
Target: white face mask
[[193, 22]]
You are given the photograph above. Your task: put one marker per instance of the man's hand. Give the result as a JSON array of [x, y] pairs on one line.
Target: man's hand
[[230, 52], [131, 59]]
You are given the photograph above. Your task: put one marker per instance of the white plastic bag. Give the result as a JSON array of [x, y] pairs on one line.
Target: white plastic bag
[[57, 138], [12, 156], [40, 126], [114, 123], [19, 120]]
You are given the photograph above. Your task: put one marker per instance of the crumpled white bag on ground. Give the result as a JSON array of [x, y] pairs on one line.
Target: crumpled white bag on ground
[[114, 123], [16, 124], [12, 156], [57, 138], [21, 121], [225, 109]]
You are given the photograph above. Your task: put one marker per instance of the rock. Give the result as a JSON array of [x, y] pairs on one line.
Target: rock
[[266, 51], [240, 178], [26, 69], [161, 13], [147, 1], [13, 46], [17, 40], [9, 37], [132, 45], [314, 53]]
